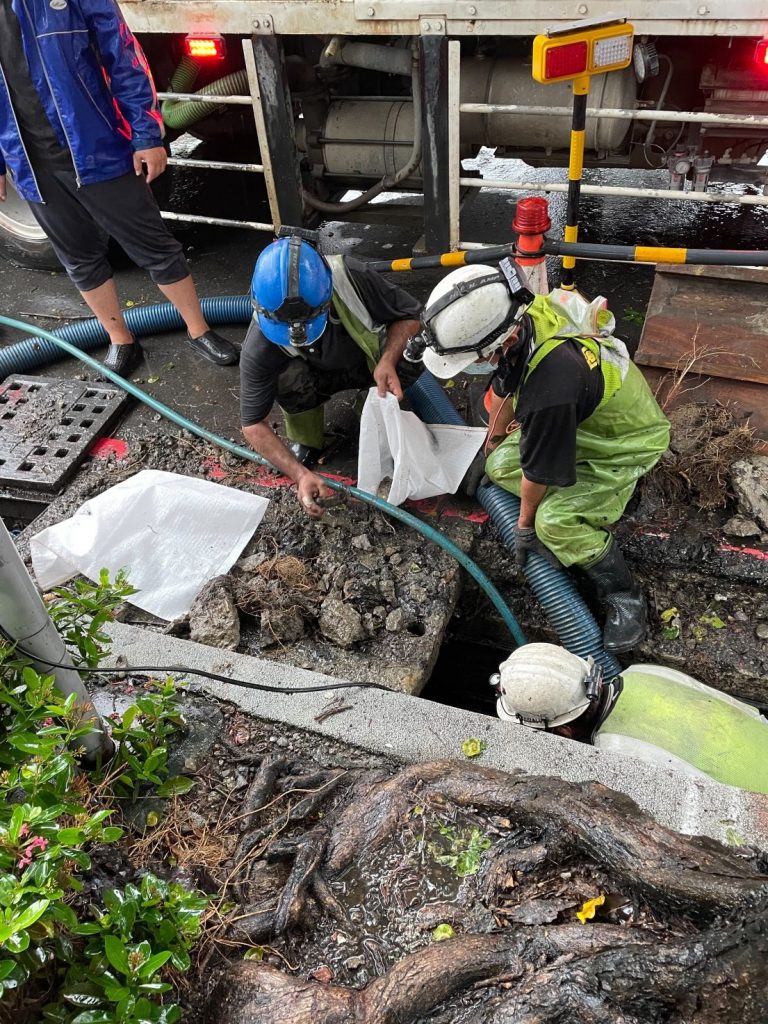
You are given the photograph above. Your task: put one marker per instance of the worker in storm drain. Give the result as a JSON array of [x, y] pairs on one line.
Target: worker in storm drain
[[650, 712], [572, 422], [320, 326]]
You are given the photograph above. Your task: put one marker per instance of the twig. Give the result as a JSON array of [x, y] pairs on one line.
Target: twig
[[333, 710]]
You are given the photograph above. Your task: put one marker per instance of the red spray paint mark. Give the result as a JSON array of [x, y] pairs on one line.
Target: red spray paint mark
[[753, 552], [214, 468], [430, 507], [106, 446], [265, 477]]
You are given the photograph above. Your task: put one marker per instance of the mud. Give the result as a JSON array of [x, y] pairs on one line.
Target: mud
[[353, 595]]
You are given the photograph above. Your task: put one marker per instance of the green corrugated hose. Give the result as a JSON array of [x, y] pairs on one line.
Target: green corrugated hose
[[181, 114]]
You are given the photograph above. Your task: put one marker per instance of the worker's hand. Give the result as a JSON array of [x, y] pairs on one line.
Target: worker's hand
[[310, 488], [527, 543], [474, 476], [387, 381], [3, 191], [155, 160]]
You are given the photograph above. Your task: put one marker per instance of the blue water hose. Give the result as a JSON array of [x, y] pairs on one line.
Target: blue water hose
[[554, 588], [87, 335], [245, 453]]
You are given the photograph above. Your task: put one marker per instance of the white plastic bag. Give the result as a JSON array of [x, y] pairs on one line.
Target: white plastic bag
[[422, 460], [593, 318], [173, 533]]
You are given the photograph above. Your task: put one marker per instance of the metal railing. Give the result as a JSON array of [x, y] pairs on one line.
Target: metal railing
[[457, 181], [253, 100]]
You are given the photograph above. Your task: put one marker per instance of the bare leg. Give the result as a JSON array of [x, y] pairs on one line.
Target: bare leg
[[105, 306], [183, 295]]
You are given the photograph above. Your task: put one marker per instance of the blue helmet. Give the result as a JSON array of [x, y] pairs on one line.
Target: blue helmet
[[291, 292]]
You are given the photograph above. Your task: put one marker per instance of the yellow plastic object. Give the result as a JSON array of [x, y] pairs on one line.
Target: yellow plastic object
[[588, 908], [607, 48], [668, 717]]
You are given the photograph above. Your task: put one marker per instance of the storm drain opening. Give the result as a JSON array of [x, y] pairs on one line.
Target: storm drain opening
[[47, 426], [460, 678]]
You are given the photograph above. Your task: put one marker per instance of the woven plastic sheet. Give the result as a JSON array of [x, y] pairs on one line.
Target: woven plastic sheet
[[421, 460], [172, 533]]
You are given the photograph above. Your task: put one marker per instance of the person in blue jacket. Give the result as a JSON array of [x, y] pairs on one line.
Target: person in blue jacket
[[82, 138]]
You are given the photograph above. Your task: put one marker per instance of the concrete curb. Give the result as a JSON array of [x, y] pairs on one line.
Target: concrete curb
[[412, 729]]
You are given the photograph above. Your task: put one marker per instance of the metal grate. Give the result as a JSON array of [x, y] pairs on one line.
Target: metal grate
[[47, 425]]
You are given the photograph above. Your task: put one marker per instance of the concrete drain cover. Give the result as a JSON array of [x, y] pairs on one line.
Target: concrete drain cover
[[47, 425]]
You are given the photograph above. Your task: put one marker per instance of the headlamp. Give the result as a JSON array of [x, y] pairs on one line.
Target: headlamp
[[416, 347]]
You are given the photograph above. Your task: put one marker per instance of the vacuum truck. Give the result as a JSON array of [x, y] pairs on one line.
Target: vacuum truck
[[338, 95]]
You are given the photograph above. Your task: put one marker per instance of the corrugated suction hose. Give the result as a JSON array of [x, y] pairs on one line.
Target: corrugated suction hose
[[554, 588]]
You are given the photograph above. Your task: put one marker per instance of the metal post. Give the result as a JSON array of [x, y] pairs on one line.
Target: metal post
[[25, 618], [435, 151], [575, 171], [274, 127], [454, 142]]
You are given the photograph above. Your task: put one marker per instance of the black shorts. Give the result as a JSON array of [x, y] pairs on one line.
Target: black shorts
[[80, 221]]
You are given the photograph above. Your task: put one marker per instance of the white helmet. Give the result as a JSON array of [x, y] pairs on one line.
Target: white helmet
[[472, 310], [543, 686]]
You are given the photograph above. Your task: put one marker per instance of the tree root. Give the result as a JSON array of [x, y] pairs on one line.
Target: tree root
[[261, 789], [256, 993], [689, 875], [716, 977]]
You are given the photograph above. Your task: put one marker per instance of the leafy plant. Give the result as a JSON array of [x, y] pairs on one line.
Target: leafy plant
[[141, 734], [80, 612], [117, 977], [461, 851], [634, 316], [97, 959]]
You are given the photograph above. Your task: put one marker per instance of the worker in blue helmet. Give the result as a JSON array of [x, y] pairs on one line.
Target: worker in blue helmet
[[321, 325]]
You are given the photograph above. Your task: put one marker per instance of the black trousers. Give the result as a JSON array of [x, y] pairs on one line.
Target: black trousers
[[80, 221]]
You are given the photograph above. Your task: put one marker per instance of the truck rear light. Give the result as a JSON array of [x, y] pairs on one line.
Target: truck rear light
[[612, 51], [565, 61], [200, 47], [761, 54]]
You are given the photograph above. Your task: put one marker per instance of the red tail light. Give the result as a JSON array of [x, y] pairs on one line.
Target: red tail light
[[761, 54], [570, 59], [205, 47]]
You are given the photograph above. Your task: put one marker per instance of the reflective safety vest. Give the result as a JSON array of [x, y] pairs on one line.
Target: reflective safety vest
[[671, 719], [353, 314], [552, 328]]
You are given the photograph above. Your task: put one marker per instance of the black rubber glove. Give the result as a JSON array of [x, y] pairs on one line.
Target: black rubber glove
[[473, 476], [527, 543]]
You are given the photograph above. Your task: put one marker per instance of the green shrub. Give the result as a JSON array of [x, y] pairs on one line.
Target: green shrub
[[97, 957]]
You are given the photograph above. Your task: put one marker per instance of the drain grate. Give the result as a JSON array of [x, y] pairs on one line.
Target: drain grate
[[47, 425]]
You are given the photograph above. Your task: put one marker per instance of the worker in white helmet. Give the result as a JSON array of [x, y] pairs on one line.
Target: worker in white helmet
[[650, 712], [572, 423]]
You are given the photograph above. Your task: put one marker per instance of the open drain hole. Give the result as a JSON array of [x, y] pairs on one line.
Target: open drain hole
[[460, 676]]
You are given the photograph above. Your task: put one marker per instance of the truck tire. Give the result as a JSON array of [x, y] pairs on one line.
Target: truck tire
[[22, 240]]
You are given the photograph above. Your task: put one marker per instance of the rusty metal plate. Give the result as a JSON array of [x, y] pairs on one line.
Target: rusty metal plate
[[717, 315], [47, 425]]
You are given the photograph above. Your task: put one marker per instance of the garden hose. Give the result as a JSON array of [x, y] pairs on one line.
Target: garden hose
[[393, 511]]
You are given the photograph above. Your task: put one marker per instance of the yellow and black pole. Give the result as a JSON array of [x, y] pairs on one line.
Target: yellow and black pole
[[575, 171], [648, 254], [573, 53]]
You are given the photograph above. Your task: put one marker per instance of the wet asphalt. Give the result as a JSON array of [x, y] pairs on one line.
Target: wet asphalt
[[222, 260]]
